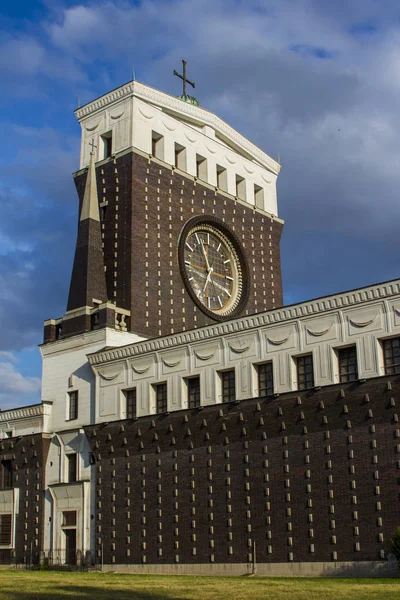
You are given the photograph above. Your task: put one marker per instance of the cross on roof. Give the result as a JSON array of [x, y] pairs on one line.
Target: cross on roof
[[92, 144], [184, 78]]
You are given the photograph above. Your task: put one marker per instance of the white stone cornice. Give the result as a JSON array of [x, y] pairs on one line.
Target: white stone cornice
[[24, 412], [177, 106], [286, 314]]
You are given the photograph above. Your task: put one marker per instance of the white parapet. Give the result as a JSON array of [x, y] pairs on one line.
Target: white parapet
[[140, 117]]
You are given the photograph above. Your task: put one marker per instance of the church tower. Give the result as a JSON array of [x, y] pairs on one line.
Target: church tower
[[184, 232]]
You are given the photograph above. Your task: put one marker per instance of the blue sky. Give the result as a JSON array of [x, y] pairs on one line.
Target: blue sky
[[315, 82]]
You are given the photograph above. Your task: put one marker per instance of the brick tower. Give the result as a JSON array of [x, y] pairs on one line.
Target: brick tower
[[176, 186]]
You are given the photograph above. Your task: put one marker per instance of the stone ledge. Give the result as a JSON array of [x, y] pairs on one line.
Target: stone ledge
[[22, 413]]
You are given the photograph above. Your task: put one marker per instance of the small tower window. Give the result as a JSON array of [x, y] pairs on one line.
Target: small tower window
[[95, 319], [106, 143], [59, 328], [222, 178], [157, 145], [259, 196], [201, 167], [240, 187], [180, 157]]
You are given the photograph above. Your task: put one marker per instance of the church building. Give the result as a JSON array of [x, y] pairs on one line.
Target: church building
[[190, 422]]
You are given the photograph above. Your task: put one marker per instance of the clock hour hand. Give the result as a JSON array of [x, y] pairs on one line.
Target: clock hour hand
[[208, 279]]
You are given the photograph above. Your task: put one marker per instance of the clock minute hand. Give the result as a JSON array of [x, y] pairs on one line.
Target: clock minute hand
[[205, 255]]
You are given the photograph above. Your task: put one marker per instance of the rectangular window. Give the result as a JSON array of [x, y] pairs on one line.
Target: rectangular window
[[72, 468], [130, 403], [391, 356], [348, 370], [258, 196], [201, 167], [69, 518], [228, 386], [265, 379], [240, 187], [180, 157], [95, 320], [222, 178], [6, 474], [305, 372], [161, 398], [194, 391], [157, 145], [5, 529], [73, 405], [106, 142]]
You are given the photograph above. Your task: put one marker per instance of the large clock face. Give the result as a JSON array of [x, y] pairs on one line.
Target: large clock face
[[213, 271]]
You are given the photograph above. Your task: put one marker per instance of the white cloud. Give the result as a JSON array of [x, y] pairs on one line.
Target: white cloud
[[7, 356], [15, 389]]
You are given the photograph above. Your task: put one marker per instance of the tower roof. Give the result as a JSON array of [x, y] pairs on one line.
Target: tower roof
[[90, 204], [88, 283]]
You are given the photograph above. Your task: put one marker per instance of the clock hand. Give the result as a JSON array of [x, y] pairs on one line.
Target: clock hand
[[205, 255], [209, 274], [197, 268], [221, 287]]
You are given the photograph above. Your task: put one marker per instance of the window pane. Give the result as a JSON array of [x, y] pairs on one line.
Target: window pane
[[228, 386], [305, 372], [72, 471], [194, 392], [69, 518], [130, 404], [73, 405], [161, 398], [5, 529], [265, 379], [6, 474], [348, 370], [391, 353]]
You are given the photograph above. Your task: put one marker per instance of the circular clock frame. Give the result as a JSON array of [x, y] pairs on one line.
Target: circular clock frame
[[239, 289]]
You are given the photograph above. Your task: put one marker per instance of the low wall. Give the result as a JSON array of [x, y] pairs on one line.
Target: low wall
[[301, 569]]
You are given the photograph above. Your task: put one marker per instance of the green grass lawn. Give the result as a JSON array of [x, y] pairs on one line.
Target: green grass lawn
[[34, 585]]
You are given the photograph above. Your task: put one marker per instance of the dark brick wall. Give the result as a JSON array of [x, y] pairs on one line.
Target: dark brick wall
[[28, 455], [311, 474], [147, 207]]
